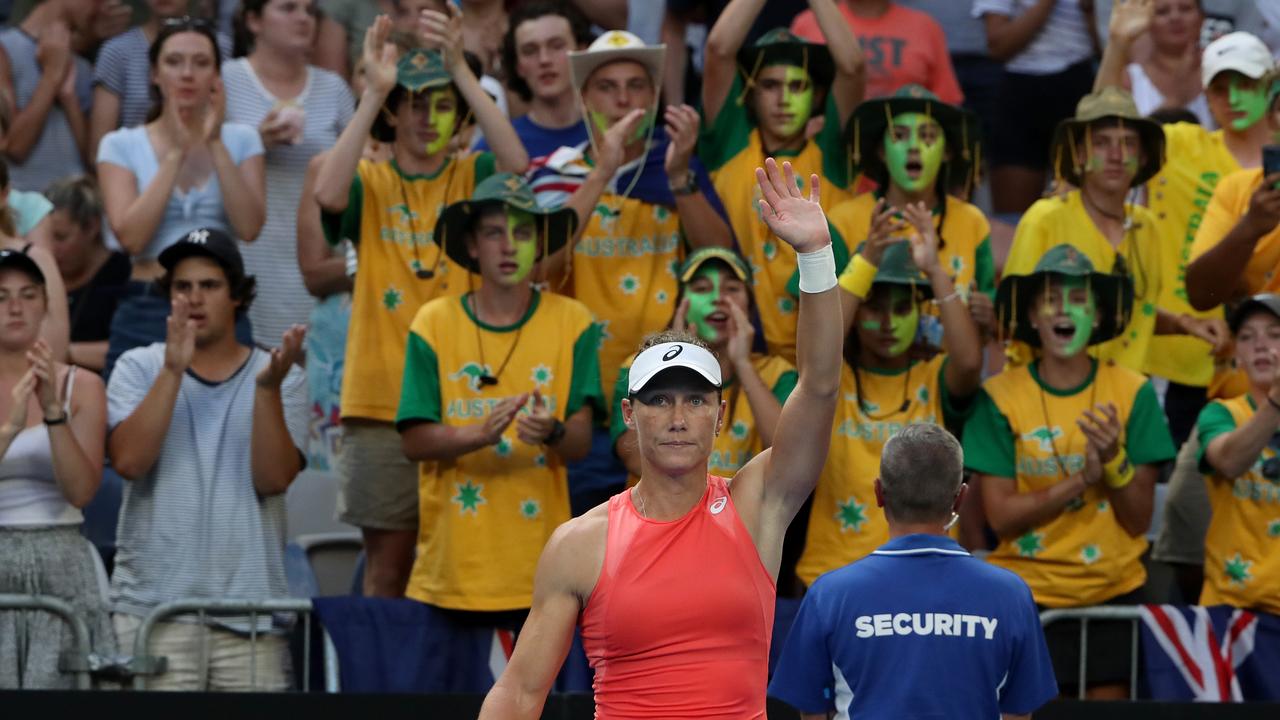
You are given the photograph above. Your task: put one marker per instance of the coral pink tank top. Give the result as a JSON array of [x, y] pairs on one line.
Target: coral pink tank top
[[679, 623]]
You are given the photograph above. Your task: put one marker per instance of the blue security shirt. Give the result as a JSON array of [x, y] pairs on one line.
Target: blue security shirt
[[918, 629]]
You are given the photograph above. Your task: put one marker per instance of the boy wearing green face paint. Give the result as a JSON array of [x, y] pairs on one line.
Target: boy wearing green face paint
[[716, 306], [388, 209], [500, 389], [915, 147], [883, 388], [1198, 158], [1105, 151], [1066, 451], [758, 102], [1237, 247]]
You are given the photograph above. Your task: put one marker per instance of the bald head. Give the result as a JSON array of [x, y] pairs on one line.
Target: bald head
[[921, 470]]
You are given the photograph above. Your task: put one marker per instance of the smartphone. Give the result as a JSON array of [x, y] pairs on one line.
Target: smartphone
[[1270, 161]]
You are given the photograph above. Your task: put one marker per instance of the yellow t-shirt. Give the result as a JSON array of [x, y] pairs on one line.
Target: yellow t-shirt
[[845, 524], [624, 270], [1229, 204], [1023, 430], [731, 148], [1196, 159], [965, 235], [773, 262], [387, 214], [1053, 221], [484, 516], [1242, 547], [739, 441]]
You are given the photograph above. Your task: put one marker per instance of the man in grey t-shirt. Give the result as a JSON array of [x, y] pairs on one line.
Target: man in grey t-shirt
[[207, 433]]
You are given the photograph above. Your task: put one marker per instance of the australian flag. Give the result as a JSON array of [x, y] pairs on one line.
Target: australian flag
[[1211, 654]]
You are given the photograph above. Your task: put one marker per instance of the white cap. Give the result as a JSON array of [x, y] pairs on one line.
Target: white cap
[[1238, 51], [672, 355], [616, 45]]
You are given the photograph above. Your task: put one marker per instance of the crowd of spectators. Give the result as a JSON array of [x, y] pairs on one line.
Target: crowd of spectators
[[415, 244]]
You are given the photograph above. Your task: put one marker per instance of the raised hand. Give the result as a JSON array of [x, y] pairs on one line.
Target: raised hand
[[180, 337], [500, 418], [46, 374], [1212, 330], [613, 146], [282, 358], [535, 426], [1263, 214], [67, 91], [1102, 430], [983, 312], [682, 134], [20, 396], [885, 222], [800, 222], [924, 242], [380, 58], [53, 52], [444, 33], [680, 323], [741, 336], [211, 125], [1130, 18], [1092, 465]]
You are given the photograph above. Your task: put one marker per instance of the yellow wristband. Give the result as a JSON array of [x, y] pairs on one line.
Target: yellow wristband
[[1118, 473], [858, 276]]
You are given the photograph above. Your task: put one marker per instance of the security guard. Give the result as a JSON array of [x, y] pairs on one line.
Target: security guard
[[919, 628]]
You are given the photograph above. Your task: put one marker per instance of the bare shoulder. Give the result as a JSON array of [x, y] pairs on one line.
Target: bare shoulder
[[574, 555]]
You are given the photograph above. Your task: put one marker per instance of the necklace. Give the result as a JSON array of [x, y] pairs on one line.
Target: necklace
[[487, 379], [635, 495], [1122, 218], [1053, 443]]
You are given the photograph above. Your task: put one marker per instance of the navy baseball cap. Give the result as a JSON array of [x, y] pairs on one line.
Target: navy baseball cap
[[205, 242], [19, 260]]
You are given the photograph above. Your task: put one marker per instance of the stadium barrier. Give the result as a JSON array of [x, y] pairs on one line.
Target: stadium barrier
[[1102, 612], [77, 661], [143, 664]]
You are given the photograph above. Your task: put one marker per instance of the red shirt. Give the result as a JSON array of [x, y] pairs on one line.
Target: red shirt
[[679, 623], [901, 47]]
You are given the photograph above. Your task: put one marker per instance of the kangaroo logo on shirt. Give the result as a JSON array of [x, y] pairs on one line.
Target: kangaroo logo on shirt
[[402, 213], [1044, 435], [718, 506], [471, 373]]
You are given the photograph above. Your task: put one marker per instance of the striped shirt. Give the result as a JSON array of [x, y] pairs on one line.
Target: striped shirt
[[283, 300], [1063, 41], [124, 70], [195, 527], [55, 153]]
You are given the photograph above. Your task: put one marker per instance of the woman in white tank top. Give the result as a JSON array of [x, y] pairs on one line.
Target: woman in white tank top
[[52, 430], [1170, 76]]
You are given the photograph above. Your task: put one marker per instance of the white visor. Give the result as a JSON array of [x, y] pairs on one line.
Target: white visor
[[672, 355]]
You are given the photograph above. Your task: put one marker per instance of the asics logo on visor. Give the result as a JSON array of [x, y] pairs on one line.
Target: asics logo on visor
[[672, 353]]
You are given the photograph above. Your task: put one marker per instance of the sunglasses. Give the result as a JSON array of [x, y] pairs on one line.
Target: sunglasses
[[186, 22]]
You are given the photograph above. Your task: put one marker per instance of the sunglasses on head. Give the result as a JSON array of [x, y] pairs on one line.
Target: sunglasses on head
[[188, 22]]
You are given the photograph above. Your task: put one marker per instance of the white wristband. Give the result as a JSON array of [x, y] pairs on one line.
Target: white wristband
[[817, 270]]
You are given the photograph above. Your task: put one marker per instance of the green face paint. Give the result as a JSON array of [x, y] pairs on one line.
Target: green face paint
[[601, 123], [1082, 315], [522, 231], [703, 303], [1252, 101], [798, 102], [444, 122], [897, 151], [903, 327]]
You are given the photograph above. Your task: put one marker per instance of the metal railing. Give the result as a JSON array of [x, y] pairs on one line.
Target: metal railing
[[78, 660], [144, 664], [1132, 613]]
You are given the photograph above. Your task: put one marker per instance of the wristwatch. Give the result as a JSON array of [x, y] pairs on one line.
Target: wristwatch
[[689, 187], [557, 432]]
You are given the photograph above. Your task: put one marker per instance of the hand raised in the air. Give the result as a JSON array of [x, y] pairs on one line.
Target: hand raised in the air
[[798, 220]]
